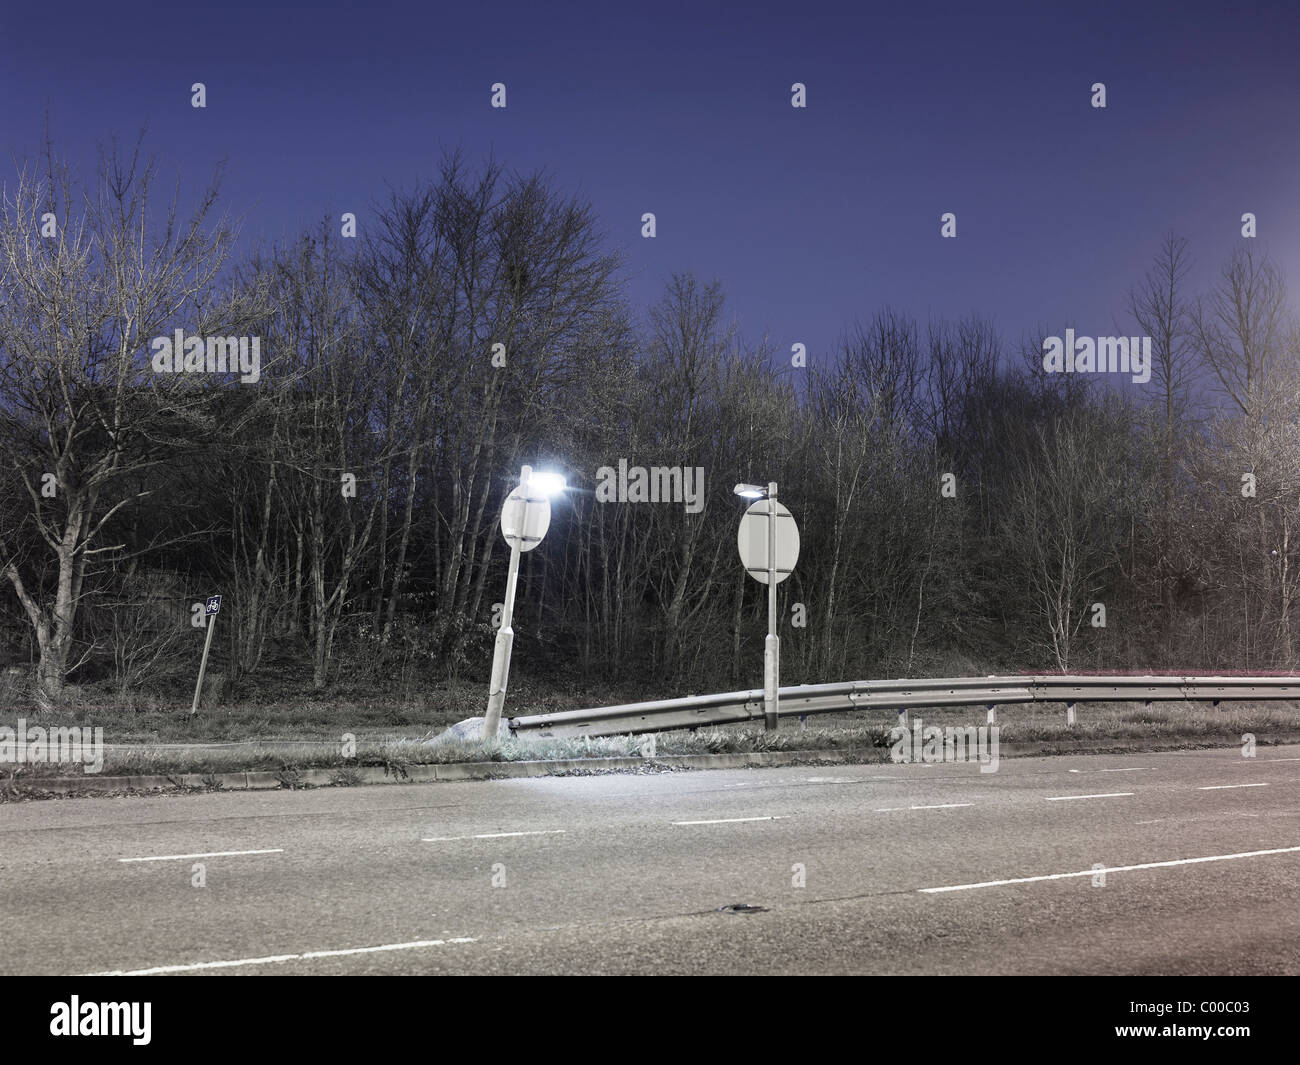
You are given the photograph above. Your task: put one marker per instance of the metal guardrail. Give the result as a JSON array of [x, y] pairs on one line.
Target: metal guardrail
[[901, 695]]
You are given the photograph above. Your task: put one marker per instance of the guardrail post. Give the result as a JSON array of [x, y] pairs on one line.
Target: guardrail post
[[1069, 714], [904, 719], [993, 713]]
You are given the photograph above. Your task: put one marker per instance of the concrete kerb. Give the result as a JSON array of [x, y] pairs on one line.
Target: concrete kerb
[[345, 775], [416, 774]]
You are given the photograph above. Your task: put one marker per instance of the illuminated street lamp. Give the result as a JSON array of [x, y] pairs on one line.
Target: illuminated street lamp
[[525, 518]]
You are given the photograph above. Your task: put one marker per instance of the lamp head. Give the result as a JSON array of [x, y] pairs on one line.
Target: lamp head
[[547, 484]]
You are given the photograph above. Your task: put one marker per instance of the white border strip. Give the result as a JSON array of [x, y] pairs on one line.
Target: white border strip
[[1108, 869], [278, 958]]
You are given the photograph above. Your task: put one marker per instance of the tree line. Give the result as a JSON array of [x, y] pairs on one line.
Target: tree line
[[960, 508]]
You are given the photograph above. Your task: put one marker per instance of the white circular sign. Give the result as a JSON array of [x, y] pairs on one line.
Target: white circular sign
[[531, 516], [752, 540]]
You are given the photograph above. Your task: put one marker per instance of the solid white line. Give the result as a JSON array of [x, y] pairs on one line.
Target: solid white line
[[1104, 795], [940, 806], [210, 854], [1110, 869], [497, 835], [277, 958], [727, 821], [1225, 787]]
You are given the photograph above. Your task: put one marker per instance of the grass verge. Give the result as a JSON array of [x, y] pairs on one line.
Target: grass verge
[[1023, 730]]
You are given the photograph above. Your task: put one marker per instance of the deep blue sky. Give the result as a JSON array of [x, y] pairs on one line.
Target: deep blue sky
[[809, 217]]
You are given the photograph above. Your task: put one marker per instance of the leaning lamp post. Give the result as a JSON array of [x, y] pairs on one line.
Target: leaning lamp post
[[769, 559], [525, 518]]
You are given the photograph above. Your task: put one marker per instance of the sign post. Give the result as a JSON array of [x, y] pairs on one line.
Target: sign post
[[210, 611], [772, 645], [769, 557], [524, 520]]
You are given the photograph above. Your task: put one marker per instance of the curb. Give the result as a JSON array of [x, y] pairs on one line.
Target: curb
[[422, 774], [351, 776]]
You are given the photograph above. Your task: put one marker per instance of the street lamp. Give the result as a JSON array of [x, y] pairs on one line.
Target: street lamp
[[549, 485], [761, 560], [525, 518]]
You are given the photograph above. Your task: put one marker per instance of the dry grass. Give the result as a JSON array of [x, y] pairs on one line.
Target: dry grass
[[1031, 728]]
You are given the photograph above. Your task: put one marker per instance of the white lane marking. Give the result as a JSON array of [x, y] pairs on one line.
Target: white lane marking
[[1103, 795], [496, 835], [727, 821], [277, 958], [1225, 787], [939, 806], [1134, 769], [1111, 869], [210, 854], [1234, 815]]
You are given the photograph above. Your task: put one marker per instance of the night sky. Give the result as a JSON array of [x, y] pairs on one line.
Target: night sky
[[810, 218]]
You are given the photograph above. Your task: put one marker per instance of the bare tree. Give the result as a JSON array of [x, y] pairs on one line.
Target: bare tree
[[80, 416], [1162, 311], [1062, 524], [1240, 327]]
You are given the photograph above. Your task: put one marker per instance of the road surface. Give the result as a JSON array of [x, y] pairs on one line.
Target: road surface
[[1184, 863]]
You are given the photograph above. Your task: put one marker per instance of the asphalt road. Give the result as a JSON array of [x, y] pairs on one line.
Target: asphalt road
[[866, 869]]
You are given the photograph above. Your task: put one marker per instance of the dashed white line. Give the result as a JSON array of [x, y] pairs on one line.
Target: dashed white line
[[727, 821], [496, 835], [1133, 769], [1225, 787], [209, 854], [1103, 795], [938, 806], [1109, 869], [276, 959]]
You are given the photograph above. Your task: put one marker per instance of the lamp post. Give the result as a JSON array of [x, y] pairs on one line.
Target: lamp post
[[768, 559], [525, 518]]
